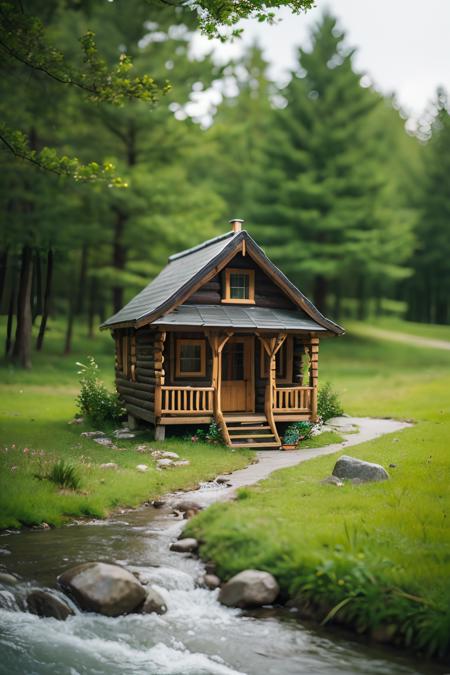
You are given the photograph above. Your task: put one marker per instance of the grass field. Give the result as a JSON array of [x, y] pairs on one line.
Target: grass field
[[379, 553], [35, 408]]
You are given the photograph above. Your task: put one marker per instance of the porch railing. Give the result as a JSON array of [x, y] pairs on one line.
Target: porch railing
[[182, 400], [292, 399]]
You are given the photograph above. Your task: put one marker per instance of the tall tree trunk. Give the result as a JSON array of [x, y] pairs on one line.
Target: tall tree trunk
[[92, 306], [337, 300], [320, 292], [22, 343], [69, 329], [361, 311], [37, 286], [82, 279], [3, 268], [10, 320], [47, 297], [119, 256]]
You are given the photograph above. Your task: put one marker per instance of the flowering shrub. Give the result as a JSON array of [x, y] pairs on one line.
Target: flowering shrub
[[94, 401], [328, 403]]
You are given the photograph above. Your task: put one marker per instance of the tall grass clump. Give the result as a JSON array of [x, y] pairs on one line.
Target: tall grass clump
[[65, 475], [328, 403], [94, 401]]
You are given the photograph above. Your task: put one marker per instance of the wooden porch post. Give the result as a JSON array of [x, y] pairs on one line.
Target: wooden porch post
[[314, 375], [158, 349], [217, 343], [272, 346]]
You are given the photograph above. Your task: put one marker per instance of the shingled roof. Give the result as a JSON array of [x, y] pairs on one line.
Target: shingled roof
[[185, 270]]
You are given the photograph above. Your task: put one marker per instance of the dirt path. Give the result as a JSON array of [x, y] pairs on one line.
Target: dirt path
[[272, 460], [405, 338]]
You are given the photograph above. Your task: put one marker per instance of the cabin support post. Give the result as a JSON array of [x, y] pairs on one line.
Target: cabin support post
[[217, 343], [133, 423], [158, 351], [314, 375], [160, 432], [271, 346]]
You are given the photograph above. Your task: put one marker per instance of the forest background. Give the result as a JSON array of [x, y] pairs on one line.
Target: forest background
[[100, 182]]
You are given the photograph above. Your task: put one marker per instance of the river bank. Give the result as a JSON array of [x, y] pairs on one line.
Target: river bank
[[196, 636]]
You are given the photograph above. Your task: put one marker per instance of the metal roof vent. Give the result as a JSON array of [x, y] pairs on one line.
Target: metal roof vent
[[236, 224]]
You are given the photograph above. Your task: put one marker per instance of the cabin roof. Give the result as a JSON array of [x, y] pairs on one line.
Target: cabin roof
[[185, 270], [219, 316]]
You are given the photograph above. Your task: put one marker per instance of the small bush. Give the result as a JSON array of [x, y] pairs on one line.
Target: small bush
[[328, 403], [65, 475], [296, 432], [94, 401], [212, 435]]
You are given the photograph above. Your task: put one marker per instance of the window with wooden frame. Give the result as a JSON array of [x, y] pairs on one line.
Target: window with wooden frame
[[126, 354], [239, 286], [190, 358], [283, 362]]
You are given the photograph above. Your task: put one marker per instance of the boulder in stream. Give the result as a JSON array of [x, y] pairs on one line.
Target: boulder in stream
[[187, 545], [351, 467], [154, 603], [104, 588], [45, 604], [211, 581], [250, 588], [8, 579]]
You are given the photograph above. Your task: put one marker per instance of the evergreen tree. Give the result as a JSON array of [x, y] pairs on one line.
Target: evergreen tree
[[318, 187], [429, 288], [234, 147]]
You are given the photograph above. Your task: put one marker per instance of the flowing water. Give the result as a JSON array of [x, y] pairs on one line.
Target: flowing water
[[196, 636]]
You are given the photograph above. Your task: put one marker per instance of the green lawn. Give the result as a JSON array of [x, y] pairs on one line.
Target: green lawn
[[35, 408], [365, 546]]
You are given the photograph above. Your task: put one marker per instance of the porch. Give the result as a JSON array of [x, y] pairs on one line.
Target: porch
[[247, 381]]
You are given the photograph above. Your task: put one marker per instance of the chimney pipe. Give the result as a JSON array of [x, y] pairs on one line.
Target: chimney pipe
[[236, 224]]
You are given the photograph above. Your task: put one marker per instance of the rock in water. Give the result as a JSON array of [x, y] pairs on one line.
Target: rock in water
[[350, 467], [211, 581], [104, 588], [187, 545], [45, 604], [250, 588], [154, 603]]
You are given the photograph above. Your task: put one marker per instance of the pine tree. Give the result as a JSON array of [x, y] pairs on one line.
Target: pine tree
[[318, 187], [429, 288]]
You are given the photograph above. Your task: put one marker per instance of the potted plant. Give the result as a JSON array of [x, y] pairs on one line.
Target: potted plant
[[296, 432], [291, 438]]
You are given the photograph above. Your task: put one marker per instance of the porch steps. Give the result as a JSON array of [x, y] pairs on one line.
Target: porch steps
[[250, 430]]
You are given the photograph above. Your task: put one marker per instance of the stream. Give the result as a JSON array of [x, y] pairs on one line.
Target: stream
[[196, 636]]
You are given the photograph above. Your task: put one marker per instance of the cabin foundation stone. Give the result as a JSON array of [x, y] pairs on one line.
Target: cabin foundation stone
[[160, 432]]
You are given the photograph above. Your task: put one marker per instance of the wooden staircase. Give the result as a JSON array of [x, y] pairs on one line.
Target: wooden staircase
[[250, 430]]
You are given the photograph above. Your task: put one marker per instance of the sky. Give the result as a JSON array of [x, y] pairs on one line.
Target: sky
[[402, 45]]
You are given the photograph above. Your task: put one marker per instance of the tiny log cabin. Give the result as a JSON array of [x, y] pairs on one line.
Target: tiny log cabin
[[220, 334]]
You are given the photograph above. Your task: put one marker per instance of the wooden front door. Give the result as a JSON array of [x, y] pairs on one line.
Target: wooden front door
[[237, 388]]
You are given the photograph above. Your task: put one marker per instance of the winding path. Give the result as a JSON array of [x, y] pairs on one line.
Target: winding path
[[269, 461], [405, 338]]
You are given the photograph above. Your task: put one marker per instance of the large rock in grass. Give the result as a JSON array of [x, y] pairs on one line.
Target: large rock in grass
[[251, 588], [351, 467], [44, 603], [100, 587]]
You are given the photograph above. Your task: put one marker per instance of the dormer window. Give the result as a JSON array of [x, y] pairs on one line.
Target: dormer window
[[239, 286]]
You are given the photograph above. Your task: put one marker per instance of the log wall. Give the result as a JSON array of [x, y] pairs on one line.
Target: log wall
[[137, 388]]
